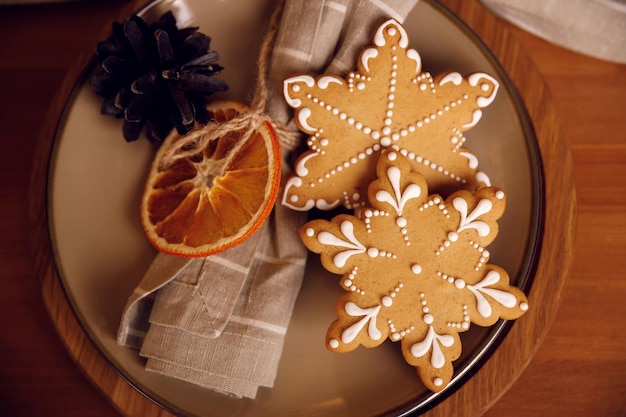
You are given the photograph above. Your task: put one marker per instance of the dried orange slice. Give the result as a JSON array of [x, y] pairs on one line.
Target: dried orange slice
[[212, 200]]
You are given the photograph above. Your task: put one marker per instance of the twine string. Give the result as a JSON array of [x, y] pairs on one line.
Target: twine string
[[247, 121]]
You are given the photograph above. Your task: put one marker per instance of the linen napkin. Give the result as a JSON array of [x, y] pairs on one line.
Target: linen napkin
[[591, 27], [220, 321]]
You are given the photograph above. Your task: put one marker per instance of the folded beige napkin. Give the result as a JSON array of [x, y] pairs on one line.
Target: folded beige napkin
[[220, 321], [592, 27]]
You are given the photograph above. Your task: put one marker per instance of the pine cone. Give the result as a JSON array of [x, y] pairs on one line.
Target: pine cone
[[156, 76]]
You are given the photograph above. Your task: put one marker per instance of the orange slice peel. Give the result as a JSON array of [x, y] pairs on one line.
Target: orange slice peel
[[216, 196]]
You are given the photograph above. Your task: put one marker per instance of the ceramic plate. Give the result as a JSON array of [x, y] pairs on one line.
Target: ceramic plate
[[96, 181]]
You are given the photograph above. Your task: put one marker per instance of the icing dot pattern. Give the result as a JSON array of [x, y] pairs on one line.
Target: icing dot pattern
[[353, 202], [484, 255], [464, 324], [457, 139], [349, 282]]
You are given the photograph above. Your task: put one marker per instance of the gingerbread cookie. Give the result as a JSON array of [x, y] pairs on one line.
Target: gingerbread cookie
[[415, 269], [387, 102]]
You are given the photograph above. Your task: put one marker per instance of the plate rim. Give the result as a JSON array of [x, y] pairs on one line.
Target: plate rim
[[499, 330]]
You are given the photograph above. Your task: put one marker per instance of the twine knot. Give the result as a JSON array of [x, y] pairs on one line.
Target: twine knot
[[247, 122]]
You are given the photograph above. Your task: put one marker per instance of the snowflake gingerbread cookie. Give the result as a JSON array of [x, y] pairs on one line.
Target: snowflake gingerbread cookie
[[415, 269], [387, 102]]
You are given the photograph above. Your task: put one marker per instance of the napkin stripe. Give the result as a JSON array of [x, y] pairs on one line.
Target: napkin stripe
[[387, 9], [140, 292], [341, 8], [229, 264], [279, 261], [136, 333], [294, 53], [258, 323]]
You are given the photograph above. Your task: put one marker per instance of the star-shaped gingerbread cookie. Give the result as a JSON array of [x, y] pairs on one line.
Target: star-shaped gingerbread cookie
[[415, 269], [387, 103]]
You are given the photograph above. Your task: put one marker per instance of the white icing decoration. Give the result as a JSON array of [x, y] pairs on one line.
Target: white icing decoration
[[387, 301], [325, 80], [379, 37], [295, 182], [334, 343], [475, 79], [416, 269], [369, 318], [454, 77], [500, 194], [484, 178], [325, 205], [503, 297], [354, 246], [301, 168], [438, 382], [523, 306], [415, 56], [431, 341], [399, 200], [303, 115], [472, 161], [287, 85], [468, 220], [476, 115], [310, 232], [367, 55]]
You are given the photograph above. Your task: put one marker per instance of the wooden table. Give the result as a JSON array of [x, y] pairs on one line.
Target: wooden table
[[579, 368]]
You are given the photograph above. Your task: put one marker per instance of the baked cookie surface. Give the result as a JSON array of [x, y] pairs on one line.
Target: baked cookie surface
[[415, 269], [389, 102]]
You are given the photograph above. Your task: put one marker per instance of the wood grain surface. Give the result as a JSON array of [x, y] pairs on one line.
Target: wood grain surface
[[566, 356]]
